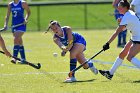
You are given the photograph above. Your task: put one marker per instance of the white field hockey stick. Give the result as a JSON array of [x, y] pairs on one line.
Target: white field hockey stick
[[13, 26]]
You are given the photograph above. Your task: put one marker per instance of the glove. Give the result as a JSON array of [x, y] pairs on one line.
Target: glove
[[106, 46]]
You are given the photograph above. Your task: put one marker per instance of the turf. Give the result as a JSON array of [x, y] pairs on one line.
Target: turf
[[73, 15], [50, 78]]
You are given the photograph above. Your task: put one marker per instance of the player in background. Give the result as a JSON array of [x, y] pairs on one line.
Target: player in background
[[2, 45], [17, 8], [72, 42], [118, 17], [135, 6], [132, 22]]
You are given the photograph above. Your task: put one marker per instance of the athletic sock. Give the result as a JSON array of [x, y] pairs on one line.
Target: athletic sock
[[73, 63], [16, 50], [116, 64], [135, 62], [22, 52], [91, 65]]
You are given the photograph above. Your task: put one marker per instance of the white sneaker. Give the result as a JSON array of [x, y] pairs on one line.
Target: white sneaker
[[94, 70], [13, 60], [70, 79]]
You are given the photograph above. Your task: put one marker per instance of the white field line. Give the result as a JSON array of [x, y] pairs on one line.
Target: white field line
[[45, 72]]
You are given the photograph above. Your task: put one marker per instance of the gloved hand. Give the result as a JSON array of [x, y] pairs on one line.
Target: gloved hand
[[106, 46]]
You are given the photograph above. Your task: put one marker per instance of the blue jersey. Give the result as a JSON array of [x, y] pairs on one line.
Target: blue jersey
[[17, 15], [77, 38], [117, 14]]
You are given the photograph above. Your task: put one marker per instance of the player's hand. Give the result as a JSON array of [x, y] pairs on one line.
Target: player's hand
[[7, 54], [63, 53], [4, 28], [106, 46], [64, 48]]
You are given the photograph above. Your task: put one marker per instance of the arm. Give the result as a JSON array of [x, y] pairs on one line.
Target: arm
[[2, 45], [28, 12], [57, 42], [118, 30], [70, 38], [60, 45], [7, 17]]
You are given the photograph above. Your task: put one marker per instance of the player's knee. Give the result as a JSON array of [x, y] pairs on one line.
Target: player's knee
[[72, 54], [129, 58]]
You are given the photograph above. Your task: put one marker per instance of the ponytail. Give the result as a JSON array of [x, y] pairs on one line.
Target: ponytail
[[53, 22]]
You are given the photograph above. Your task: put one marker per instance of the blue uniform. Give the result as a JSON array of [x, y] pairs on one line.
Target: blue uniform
[[77, 38], [117, 14], [17, 16]]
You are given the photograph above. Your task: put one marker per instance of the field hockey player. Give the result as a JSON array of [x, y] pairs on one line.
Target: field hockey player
[[72, 42], [132, 22], [17, 8]]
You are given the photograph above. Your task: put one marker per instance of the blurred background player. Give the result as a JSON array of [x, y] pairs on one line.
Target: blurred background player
[[118, 17], [72, 42], [135, 6], [17, 8], [2, 45], [132, 22]]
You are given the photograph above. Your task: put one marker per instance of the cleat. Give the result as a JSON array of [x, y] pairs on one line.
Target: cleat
[[22, 62], [94, 70], [13, 60], [70, 79], [106, 74]]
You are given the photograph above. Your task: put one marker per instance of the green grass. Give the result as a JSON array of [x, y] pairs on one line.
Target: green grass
[[73, 15], [40, 48]]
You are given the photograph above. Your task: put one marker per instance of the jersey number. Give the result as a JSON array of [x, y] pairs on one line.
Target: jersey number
[[15, 13]]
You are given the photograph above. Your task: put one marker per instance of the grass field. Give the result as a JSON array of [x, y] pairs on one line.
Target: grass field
[[74, 15], [49, 79]]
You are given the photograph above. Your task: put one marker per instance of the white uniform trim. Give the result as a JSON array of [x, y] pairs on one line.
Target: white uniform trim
[[132, 23]]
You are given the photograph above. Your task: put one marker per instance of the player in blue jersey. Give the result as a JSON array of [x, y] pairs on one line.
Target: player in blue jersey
[[72, 42], [118, 17], [17, 8]]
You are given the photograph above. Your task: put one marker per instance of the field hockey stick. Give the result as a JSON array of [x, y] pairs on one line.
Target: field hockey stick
[[38, 66], [71, 72], [47, 30], [13, 26]]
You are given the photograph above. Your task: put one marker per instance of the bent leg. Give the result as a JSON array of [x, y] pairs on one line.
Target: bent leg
[[119, 59], [134, 50]]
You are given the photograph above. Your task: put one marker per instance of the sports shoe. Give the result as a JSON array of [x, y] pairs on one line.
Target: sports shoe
[[94, 70], [70, 79], [106, 74], [22, 61], [13, 60]]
